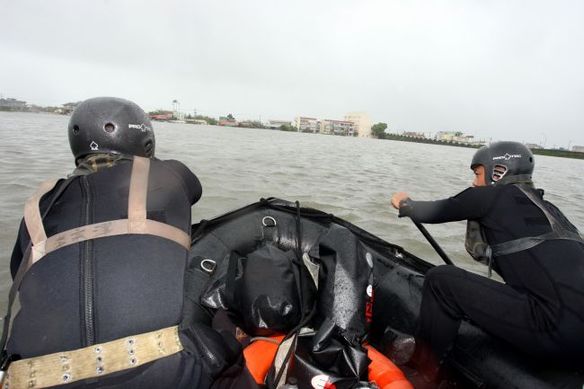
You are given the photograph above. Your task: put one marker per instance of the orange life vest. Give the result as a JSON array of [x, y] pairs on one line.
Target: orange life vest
[[259, 356]]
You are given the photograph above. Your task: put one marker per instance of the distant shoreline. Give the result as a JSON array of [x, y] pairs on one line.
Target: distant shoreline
[[548, 152], [402, 138]]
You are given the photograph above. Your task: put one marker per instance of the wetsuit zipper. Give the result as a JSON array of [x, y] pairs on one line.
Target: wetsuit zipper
[[87, 270]]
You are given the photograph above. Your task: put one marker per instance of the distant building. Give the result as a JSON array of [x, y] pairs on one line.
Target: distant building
[[68, 108], [362, 123], [196, 121], [533, 146], [12, 105], [413, 134], [468, 139], [249, 124], [337, 127], [447, 136], [163, 116], [458, 137], [306, 124], [278, 123], [227, 122], [579, 149]]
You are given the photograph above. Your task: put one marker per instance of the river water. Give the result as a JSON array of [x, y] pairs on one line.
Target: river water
[[353, 178]]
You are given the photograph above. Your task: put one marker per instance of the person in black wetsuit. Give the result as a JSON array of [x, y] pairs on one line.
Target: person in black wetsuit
[[100, 265], [527, 241]]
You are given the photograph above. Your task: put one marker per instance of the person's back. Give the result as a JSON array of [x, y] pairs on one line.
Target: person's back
[[527, 240], [100, 263], [551, 271], [98, 290]]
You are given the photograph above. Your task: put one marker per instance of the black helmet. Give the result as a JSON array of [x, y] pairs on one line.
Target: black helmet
[[505, 162], [110, 125]]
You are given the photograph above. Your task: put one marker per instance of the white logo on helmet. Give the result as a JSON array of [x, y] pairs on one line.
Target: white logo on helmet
[[321, 381], [93, 146], [142, 127], [506, 157]]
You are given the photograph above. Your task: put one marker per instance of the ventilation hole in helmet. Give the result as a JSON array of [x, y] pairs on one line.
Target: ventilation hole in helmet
[[148, 148], [109, 127], [499, 172], [530, 159], [75, 129]]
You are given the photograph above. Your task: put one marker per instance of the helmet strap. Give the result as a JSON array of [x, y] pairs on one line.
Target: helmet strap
[[524, 179], [95, 162]]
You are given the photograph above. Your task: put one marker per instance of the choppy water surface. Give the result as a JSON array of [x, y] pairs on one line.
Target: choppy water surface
[[352, 178]]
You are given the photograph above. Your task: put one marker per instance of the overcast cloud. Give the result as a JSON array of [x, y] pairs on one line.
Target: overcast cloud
[[497, 69]]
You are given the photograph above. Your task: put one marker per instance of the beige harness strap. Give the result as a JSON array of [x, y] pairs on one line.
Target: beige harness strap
[[137, 198], [136, 223], [93, 361], [33, 219], [113, 228]]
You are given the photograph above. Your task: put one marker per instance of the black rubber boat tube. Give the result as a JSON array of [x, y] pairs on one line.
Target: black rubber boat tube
[[433, 242]]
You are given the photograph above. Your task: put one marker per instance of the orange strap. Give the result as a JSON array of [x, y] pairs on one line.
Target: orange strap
[[136, 223]]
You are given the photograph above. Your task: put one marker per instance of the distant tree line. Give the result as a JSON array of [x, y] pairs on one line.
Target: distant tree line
[[378, 131], [404, 138]]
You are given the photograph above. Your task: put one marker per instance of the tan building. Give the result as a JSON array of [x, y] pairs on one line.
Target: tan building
[[362, 123]]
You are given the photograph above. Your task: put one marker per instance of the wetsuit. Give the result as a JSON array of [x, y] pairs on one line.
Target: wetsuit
[[539, 309], [112, 287]]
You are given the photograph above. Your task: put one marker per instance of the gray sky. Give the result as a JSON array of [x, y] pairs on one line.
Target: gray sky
[[499, 69]]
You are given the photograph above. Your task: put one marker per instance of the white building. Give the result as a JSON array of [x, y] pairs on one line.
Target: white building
[[362, 123], [579, 149], [447, 136], [532, 146], [457, 136], [306, 124], [414, 134], [278, 123], [337, 127], [10, 104]]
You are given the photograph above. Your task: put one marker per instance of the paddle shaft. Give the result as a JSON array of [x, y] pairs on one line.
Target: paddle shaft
[[432, 242]]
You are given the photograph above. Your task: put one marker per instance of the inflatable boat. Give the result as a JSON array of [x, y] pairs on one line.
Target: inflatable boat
[[350, 253]]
